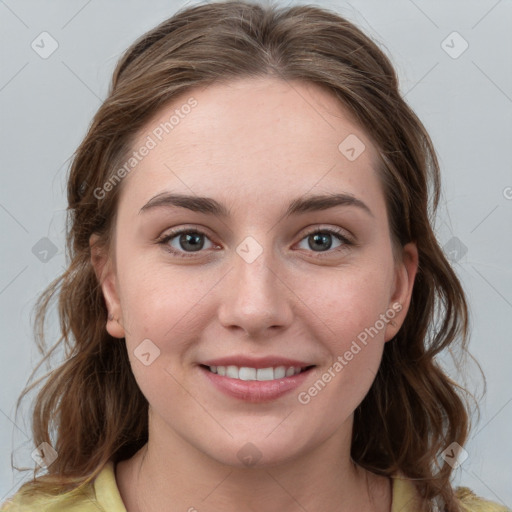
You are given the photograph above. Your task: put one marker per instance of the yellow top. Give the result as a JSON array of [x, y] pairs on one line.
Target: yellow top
[[103, 496]]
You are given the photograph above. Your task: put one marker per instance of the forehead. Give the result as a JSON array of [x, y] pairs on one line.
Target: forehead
[[250, 136]]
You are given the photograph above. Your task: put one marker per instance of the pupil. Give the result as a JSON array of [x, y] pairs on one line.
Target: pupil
[[325, 237], [194, 239]]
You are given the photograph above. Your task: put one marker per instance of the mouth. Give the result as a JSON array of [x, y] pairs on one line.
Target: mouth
[[247, 373], [255, 385]]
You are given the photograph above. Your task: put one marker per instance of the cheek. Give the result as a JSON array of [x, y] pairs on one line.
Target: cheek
[[355, 301], [160, 310], [354, 342], [353, 329], [156, 299]]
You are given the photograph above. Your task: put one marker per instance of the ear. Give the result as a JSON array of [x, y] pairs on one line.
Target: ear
[[104, 269], [405, 273]]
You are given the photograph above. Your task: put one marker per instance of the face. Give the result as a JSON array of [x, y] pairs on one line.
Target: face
[[260, 276]]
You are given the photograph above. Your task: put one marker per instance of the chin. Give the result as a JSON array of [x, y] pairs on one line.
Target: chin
[[256, 452]]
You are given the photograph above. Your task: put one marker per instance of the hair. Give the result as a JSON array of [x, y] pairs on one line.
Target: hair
[[413, 410]]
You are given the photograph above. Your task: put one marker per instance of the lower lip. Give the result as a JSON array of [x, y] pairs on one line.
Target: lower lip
[[254, 390]]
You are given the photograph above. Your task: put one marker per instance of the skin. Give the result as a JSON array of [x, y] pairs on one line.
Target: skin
[[254, 145]]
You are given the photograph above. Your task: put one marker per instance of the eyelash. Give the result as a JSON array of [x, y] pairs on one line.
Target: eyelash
[[338, 233]]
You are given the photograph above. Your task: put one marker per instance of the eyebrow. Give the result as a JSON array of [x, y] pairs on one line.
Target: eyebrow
[[299, 205]]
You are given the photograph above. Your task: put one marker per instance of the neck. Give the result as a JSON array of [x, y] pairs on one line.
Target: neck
[[169, 474]]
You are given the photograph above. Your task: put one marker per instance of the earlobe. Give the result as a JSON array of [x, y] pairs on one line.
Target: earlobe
[[105, 273], [405, 275]]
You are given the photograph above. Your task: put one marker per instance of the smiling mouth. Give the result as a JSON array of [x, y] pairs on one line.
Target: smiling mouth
[[246, 373]]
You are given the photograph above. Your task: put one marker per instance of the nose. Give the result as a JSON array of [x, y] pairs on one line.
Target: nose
[[256, 298]]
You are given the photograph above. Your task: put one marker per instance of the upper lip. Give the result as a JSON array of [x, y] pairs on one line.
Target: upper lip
[[260, 362]]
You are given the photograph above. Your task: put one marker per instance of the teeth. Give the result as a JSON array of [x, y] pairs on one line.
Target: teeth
[[232, 372], [261, 374], [247, 373], [279, 372], [265, 374]]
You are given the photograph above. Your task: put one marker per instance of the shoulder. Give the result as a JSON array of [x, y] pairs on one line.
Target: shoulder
[[23, 501], [101, 495], [405, 498], [472, 503]]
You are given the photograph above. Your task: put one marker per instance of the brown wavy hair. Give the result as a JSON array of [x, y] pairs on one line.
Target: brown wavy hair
[[413, 410]]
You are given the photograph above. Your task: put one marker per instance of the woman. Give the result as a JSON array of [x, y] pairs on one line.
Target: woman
[[253, 283]]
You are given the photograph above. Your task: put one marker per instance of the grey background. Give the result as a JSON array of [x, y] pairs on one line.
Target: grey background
[[464, 102]]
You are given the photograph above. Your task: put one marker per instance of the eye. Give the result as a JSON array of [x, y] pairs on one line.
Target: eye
[[322, 239], [183, 241]]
